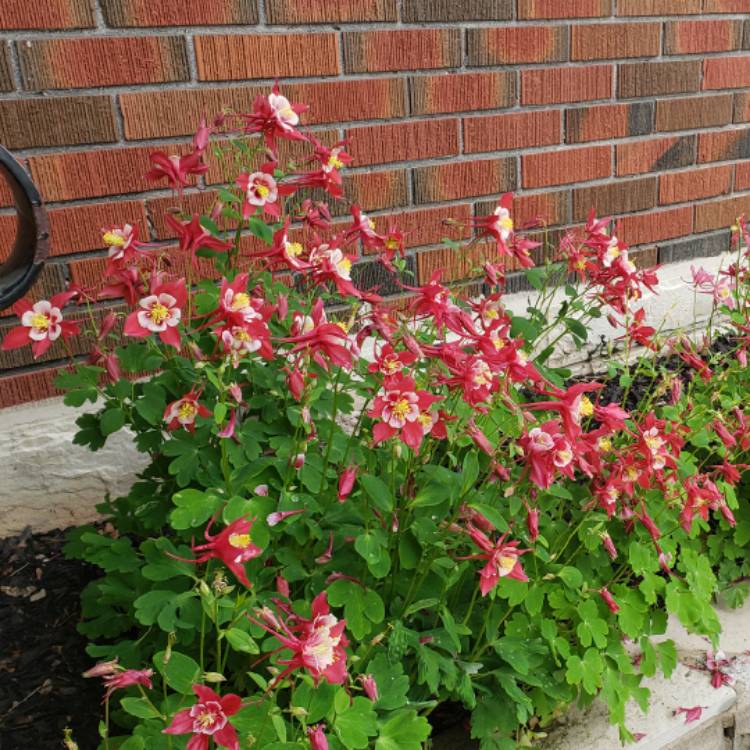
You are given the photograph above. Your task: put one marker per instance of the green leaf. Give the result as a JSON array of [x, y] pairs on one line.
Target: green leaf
[[378, 492], [356, 724], [180, 672], [667, 656], [239, 640], [260, 229], [406, 730], [393, 684], [316, 701], [139, 707], [513, 651], [572, 577], [111, 420], [194, 508]]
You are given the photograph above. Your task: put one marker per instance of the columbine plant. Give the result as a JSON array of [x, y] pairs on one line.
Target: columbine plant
[[356, 509]]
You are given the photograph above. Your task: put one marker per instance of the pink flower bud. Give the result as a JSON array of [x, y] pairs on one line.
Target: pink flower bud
[[108, 323], [676, 390], [296, 383], [370, 686], [742, 357], [609, 545], [200, 139], [103, 669], [282, 586], [346, 482], [261, 490], [236, 392], [317, 738], [275, 518], [218, 207], [282, 306], [614, 607], [532, 523], [228, 430], [298, 461], [479, 438]]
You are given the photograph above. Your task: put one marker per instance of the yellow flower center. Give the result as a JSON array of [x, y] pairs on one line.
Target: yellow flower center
[[371, 224], [505, 564], [112, 239], [240, 541], [243, 335], [506, 223], [40, 321], [401, 408], [344, 266], [585, 408], [392, 244], [294, 249], [262, 191], [343, 325], [207, 719], [491, 314], [335, 163], [425, 419], [391, 365], [187, 410], [605, 444], [158, 313], [581, 264], [240, 301], [287, 113], [632, 473], [654, 442]]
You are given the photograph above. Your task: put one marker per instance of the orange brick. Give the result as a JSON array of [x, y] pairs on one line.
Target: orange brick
[[742, 176], [455, 265], [615, 197], [324, 11], [742, 107], [377, 190], [694, 112], [657, 7], [725, 145], [75, 229], [140, 13], [406, 49], [512, 131], [462, 92], [90, 174], [608, 121], [504, 45], [463, 179], [655, 155], [6, 77], [604, 41], [24, 387], [563, 84], [89, 62], [726, 6], [46, 14], [655, 226], [566, 166], [378, 144], [156, 114], [692, 37], [720, 214], [726, 72], [680, 187], [427, 226], [575, 9], [545, 209], [228, 57]]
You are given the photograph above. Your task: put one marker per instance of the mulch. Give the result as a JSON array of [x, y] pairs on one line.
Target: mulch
[[42, 655]]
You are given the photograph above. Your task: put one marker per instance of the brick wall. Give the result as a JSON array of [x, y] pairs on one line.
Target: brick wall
[[638, 107]]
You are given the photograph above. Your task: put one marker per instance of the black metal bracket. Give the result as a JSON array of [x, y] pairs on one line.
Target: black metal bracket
[[31, 246]]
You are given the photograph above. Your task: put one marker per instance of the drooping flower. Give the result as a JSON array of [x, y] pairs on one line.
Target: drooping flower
[[317, 737], [208, 719], [41, 324], [232, 546], [176, 169], [502, 559], [609, 600], [572, 404], [391, 362], [181, 414], [122, 243], [346, 482], [499, 224], [160, 312], [193, 236], [370, 687], [275, 117], [317, 644], [116, 677], [330, 263]]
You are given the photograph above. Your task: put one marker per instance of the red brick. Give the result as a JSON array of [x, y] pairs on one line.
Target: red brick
[[46, 14], [427, 226], [655, 155], [454, 265], [575, 9], [75, 229], [726, 72], [405, 49], [231, 57], [462, 92], [720, 214], [324, 11], [657, 7], [504, 45], [378, 144], [616, 197], [564, 84], [680, 187], [546, 209], [656, 226], [90, 174], [567, 166], [140, 13], [656, 78], [90, 62], [24, 387], [742, 176], [461, 179], [6, 77], [692, 37], [724, 146], [608, 121], [694, 112], [512, 131], [56, 121], [604, 41], [160, 208], [421, 11], [156, 114], [726, 6], [742, 107], [377, 190]]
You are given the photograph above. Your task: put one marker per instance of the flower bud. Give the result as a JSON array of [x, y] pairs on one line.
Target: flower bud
[[317, 738], [370, 686], [346, 482], [614, 607], [213, 677]]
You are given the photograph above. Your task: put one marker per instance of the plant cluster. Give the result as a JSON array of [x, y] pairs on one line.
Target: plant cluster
[[356, 509]]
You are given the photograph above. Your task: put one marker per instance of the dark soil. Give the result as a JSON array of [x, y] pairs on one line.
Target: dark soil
[[42, 655]]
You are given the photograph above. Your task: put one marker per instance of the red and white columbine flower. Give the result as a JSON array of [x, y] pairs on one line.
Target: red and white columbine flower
[[502, 559], [261, 191], [208, 719], [121, 242], [182, 413], [403, 410], [317, 645], [41, 324], [160, 312]]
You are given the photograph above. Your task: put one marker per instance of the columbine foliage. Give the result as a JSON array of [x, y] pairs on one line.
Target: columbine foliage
[[354, 511]]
